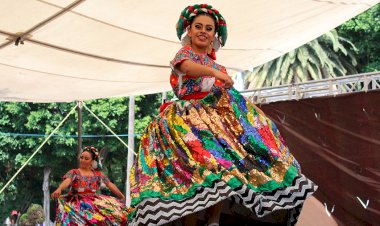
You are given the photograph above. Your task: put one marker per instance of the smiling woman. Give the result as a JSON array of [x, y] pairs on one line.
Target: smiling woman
[[212, 145], [202, 32]]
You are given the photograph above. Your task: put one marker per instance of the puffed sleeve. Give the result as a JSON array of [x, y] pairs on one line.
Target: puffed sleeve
[[104, 178], [185, 53], [70, 174]]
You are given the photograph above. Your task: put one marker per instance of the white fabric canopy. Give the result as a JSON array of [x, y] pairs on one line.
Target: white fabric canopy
[[79, 50]]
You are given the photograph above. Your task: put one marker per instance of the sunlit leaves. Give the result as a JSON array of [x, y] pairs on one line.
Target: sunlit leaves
[[325, 57]]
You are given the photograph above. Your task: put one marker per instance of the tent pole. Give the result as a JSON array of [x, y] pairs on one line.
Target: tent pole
[[80, 122], [131, 144]]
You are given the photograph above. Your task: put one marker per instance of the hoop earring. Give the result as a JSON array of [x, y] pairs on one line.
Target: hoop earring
[[210, 48]]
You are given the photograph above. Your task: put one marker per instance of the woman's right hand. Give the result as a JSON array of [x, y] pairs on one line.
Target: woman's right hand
[[56, 194]]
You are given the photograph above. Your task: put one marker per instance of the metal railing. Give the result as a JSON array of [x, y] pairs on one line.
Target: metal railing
[[326, 87]]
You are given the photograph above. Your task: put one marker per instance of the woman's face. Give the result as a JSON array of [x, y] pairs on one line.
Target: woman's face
[[202, 32], [85, 160]]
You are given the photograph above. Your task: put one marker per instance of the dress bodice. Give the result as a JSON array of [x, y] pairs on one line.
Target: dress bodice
[[85, 184], [184, 85]]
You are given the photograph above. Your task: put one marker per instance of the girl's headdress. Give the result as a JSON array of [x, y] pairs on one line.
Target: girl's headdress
[[188, 14]]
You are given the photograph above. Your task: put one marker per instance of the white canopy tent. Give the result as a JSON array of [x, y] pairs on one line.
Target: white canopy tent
[[67, 50], [79, 50]]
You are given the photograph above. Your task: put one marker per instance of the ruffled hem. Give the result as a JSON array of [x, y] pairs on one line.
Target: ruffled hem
[[156, 211], [210, 179]]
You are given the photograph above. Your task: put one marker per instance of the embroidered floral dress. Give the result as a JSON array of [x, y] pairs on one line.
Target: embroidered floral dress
[[209, 146], [84, 206], [190, 87]]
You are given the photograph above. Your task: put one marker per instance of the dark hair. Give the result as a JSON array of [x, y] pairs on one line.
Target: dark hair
[[206, 14]]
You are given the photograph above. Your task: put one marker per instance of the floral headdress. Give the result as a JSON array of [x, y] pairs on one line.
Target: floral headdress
[[188, 14]]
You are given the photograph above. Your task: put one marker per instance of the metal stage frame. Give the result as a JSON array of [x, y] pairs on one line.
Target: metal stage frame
[[326, 87]]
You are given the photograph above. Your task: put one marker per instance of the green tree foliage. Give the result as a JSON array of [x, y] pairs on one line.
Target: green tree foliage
[[364, 31], [325, 57], [60, 153]]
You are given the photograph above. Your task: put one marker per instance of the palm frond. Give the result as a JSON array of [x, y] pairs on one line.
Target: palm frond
[[303, 55], [328, 56], [300, 73], [314, 72], [332, 37], [284, 68]]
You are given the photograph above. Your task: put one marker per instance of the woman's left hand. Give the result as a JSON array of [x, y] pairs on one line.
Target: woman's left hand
[[228, 84], [225, 78]]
